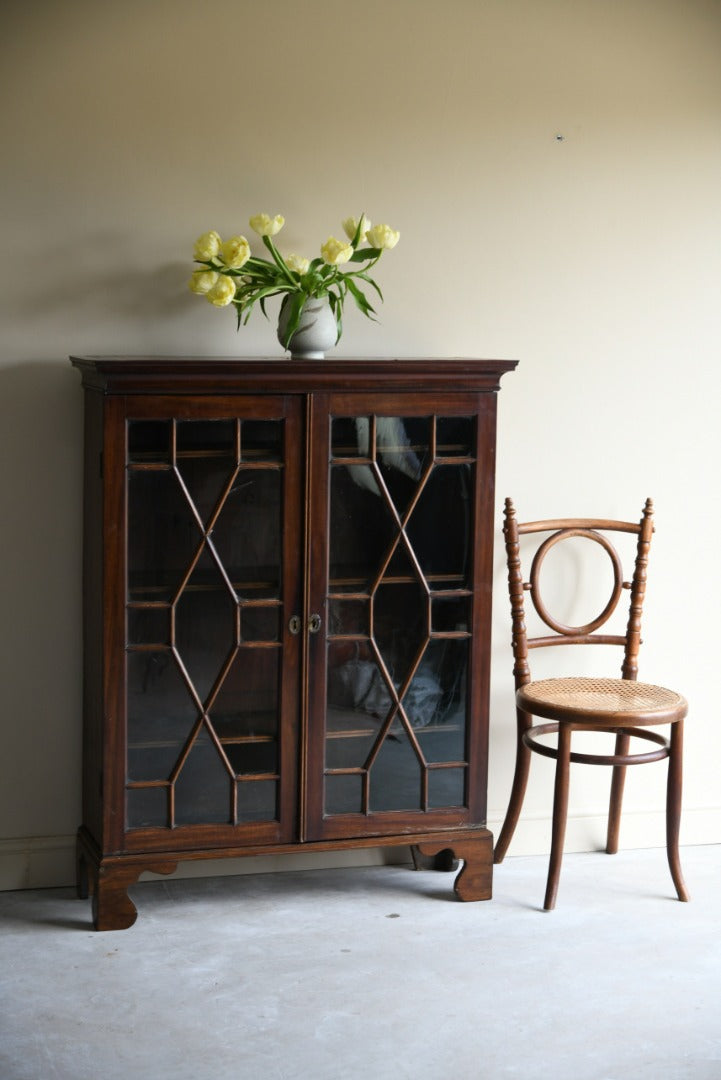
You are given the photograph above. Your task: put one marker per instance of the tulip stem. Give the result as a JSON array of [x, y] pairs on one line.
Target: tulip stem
[[277, 259]]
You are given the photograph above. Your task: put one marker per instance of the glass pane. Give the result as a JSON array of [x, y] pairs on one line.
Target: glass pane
[[252, 757], [202, 790], [401, 567], [248, 701], [161, 714], [361, 528], [205, 438], [206, 460], [395, 782], [400, 626], [439, 527], [147, 807], [350, 738], [450, 614], [206, 480], [149, 440], [456, 436], [344, 437], [343, 794], [257, 800], [349, 617], [248, 533], [446, 787], [152, 760], [163, 535], [205, 627], [423, 700], [443, 741], [402, 447], [358, 703], [261, 440], [149, 626], [355, 682], [441, 677], [260, 624]]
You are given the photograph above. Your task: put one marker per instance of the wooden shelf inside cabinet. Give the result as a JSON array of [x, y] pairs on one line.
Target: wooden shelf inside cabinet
[[287, 580]]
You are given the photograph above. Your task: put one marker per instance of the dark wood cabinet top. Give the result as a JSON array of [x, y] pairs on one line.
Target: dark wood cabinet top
[[228, 374]]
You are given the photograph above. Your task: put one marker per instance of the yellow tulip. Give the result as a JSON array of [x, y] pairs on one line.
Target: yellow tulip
[[265, 225], [297, 263], [222, 292], [382, 236], [235, 252], [335, 252], [202, 281], [206, 246], [350, 224]]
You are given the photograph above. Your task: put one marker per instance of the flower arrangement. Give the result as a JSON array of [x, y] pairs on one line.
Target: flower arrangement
[[230, 275]]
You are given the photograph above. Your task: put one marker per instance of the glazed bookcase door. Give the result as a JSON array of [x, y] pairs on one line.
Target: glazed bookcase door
[[210, 584], [400, 584]]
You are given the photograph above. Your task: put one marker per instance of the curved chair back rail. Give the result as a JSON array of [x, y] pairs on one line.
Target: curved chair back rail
[[622, 707]]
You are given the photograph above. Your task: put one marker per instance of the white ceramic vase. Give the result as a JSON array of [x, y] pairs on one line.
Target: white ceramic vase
[[316, 331]]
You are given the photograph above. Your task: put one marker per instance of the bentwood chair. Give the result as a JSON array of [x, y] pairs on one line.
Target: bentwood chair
[[621, 707]]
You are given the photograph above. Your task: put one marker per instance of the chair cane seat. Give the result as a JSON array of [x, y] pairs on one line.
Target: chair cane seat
[[602, 701]]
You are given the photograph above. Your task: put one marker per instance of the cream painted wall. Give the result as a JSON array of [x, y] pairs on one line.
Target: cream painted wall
[[128, 128]]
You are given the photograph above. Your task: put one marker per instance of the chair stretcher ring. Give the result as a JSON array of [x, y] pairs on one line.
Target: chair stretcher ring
[[530, 736]]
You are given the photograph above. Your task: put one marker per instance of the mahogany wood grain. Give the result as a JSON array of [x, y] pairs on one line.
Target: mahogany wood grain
[[216, 374], [474, 882]]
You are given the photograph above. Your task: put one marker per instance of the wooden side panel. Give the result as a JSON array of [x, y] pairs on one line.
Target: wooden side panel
[[480, 669], [93, 740], [113, 625]]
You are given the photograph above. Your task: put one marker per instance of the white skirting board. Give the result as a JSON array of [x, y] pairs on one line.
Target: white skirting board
[[41, 862]]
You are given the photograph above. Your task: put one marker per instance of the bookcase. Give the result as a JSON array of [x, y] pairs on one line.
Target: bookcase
[[287, 600]]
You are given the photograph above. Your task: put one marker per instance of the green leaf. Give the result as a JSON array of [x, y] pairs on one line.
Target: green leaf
[[295, 302], [259, 278], [360, 299], [254, 263], [356, 235], [278, 260], [270, 290], [368, 254], [252, 295], [366, 277], [337, 309], [311, 282]]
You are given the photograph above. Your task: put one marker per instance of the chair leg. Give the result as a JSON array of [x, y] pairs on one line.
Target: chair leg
[[673, 808], [560, 812], [614, 809], [518, 791]]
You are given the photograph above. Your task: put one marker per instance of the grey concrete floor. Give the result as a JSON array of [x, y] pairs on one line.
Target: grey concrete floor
[[376, 973]]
